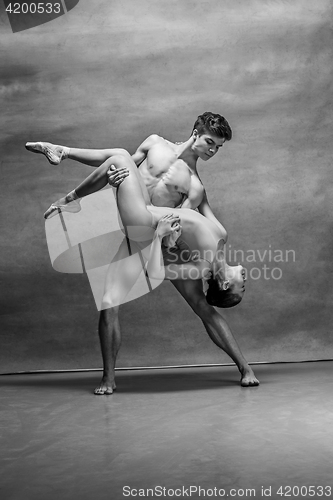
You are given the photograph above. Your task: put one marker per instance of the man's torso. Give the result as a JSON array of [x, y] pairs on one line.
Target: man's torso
[[168, 178]]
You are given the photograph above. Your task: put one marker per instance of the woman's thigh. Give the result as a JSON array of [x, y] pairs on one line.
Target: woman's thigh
[[131, 203]]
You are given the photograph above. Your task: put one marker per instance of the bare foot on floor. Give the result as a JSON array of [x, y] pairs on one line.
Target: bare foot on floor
[[106, 387], [52, 152], [248, 378]]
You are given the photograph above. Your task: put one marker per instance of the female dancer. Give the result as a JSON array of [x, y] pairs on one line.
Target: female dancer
[[199, 252]]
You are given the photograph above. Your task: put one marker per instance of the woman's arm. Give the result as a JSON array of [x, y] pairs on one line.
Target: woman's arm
[[193, 269], [155, 266]]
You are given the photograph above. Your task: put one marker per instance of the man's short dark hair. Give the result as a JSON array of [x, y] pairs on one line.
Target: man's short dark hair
[[221, 298], [213, 123]]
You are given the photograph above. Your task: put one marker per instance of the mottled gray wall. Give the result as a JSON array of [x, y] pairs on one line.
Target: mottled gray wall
[[109, 73]]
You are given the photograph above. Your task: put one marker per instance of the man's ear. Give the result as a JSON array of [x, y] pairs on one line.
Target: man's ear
[[195, 133]]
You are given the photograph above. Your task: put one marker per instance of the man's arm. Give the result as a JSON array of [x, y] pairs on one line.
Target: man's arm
[[205, 210], [194, 195], [141, 153]]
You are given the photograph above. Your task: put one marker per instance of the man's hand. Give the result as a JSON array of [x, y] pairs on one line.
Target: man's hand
[[116, 176]]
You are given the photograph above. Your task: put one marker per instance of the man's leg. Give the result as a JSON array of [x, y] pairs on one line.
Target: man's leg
[[122, 275], [110, 339], [217, 328]]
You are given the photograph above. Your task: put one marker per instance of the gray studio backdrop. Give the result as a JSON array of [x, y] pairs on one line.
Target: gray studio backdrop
[[109, 73]]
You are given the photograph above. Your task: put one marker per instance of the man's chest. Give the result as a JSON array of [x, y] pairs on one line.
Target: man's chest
[[162, 164], [160, 159]]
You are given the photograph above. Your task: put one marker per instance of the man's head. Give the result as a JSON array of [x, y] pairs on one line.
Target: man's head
[[210, 132]]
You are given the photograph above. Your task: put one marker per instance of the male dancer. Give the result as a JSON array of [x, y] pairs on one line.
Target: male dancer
[[169, 172]]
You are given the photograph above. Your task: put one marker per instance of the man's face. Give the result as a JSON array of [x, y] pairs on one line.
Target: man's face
[[206, 145]]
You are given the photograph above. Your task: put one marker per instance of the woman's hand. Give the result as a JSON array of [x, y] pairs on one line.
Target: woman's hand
[[167, 225], [116, 176]]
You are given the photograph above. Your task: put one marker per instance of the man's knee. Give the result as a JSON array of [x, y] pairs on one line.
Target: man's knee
[[109, 315], [114, 293], [109, 304]]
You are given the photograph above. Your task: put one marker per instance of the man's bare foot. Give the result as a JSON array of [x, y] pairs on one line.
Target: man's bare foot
[[52, 152], [106, 387], [62, 205], [248, 378]]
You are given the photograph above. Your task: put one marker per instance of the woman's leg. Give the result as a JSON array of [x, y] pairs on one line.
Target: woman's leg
[[131, 194], [97, 179], [94, 182], [70, 203], [56, 153], [93, 157]]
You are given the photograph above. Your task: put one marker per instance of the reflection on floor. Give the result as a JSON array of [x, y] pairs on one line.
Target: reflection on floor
[[173, 428]]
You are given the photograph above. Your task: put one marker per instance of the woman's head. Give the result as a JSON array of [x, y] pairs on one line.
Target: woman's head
[[226, 289]]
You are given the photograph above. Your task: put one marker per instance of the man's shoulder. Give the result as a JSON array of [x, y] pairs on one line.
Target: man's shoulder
[[154, 137], [196, 181], [196, 191], [158, 140]]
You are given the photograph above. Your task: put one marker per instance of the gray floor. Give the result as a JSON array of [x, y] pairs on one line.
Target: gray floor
[[170, 428]]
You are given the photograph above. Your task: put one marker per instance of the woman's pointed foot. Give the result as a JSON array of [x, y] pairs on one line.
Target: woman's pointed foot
[[53, 153], [62, 205], [52, 211]]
